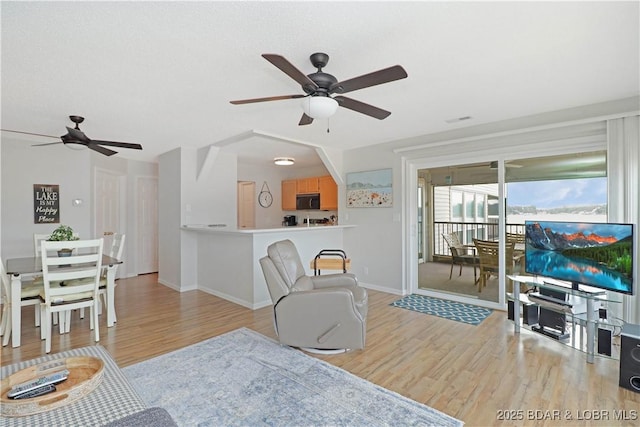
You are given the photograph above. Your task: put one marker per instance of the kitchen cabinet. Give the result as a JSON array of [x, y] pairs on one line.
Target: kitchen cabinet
[[308, 185], [289, 191], [323, 185], [328, 193]]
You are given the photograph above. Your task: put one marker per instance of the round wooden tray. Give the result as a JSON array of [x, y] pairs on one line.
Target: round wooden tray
[[85, 374]]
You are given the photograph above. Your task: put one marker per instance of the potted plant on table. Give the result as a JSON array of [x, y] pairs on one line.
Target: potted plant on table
[[64, 233]]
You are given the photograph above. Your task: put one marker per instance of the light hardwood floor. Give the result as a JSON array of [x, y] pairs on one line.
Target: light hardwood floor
[[478, 374]]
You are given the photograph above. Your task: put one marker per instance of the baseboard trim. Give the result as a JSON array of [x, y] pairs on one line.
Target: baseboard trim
[[235, 300], [381, 288]]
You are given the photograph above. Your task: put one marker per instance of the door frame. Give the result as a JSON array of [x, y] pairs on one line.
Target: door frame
[[518, 149]]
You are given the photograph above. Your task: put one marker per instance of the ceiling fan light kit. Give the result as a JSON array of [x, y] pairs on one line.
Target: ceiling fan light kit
[[319, 107], [319, 86], [284, 161]]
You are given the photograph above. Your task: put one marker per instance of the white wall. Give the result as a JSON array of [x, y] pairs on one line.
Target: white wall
[[272, 216], [382, 237], [186, 199], [169, 219], [375, 245], [74, 171], [23, 166]]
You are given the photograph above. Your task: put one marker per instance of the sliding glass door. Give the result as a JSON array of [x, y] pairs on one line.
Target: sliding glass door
[[462, 203]]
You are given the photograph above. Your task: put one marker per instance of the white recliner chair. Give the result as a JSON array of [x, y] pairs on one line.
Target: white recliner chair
[[314, 312]]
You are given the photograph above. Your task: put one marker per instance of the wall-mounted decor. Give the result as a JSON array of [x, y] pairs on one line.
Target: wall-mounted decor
[[46, 204], [370, 189]]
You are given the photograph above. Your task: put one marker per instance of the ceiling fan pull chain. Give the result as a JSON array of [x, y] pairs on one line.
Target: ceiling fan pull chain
[[327, 124]]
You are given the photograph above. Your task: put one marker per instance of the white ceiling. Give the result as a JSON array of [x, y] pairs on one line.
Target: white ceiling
[[162, 73]]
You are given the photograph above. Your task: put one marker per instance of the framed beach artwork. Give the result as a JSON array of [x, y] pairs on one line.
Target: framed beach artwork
[[370, 189]]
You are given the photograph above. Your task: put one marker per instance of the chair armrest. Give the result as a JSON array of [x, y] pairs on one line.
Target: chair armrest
[[334, 280], [327, 303]]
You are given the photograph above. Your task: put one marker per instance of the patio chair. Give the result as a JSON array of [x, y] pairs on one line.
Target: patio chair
[[488, 252], [460, 255]]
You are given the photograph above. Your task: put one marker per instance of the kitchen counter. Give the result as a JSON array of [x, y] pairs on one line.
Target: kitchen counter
[[226, 260], [216, 228]]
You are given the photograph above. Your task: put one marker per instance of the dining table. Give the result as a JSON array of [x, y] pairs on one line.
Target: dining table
[[21, 270]]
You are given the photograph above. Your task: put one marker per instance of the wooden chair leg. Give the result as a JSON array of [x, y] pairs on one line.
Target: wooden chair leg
[[451, 271]]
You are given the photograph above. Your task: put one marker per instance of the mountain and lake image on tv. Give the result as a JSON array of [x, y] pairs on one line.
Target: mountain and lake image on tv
[[592, 254]]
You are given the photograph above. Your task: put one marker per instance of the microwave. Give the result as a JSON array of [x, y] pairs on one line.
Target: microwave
[[307, 201]]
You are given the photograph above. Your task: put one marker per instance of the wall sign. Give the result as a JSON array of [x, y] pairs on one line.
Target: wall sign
[[46, 204]]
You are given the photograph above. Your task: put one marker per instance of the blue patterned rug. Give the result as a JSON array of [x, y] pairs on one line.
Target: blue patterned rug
[[452, 310], [243, 378]]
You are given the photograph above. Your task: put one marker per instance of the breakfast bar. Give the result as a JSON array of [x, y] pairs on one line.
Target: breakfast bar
[[227, 258]]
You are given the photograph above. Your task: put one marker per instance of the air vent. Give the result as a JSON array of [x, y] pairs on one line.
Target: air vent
[[458, 119]]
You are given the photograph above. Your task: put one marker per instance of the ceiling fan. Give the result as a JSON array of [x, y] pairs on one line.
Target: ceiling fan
[[319, 88], [75, 137]]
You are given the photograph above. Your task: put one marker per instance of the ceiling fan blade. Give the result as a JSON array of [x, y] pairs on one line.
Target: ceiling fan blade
[[77, 135], [48, 143], [118, 144], [100, 149], [361, 107], [290, 70], [28, 133], [377, 77], [305, 120], [269, 98]]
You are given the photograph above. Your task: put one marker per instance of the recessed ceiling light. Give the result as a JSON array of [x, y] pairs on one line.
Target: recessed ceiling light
[[283, 161], [458, 119]]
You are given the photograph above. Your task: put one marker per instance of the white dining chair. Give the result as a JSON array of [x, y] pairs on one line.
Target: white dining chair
[[33, 289], [5, 324], [29, 293], [77, 285], [37, 238], [115, 251]]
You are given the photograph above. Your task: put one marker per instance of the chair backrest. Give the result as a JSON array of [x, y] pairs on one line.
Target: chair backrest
[[85, 266], [452, 239], [515, 237], [489, 253], [275, 284], [117, 246], [454, 243], [115, 250], [37, 238], [287, 261]]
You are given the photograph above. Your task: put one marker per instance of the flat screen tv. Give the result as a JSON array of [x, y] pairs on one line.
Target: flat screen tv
[[594, 254]]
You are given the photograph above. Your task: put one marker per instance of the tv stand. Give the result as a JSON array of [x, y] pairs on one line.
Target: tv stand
[[590, 298], [551, 333]]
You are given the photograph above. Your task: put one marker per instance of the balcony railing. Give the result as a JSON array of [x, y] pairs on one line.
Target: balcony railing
[[467, 231]]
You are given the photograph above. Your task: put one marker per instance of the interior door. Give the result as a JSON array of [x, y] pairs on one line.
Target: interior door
[[108, 207], [147, 222], [246, 204]]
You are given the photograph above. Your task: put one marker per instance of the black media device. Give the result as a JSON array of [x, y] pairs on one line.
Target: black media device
[[550, 322], [604, 341], [529, 313], [630, 357]]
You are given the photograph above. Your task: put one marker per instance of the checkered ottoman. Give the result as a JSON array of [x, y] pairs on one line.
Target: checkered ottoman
[[113, 399]]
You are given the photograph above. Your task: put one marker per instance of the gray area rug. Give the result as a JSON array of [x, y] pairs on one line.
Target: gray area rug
[[243, 378]]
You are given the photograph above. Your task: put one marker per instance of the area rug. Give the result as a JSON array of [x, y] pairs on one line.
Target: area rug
[[452, 310], [243, 378]]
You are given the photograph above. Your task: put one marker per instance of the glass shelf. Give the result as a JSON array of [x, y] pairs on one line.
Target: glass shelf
[[581, 315]]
